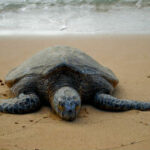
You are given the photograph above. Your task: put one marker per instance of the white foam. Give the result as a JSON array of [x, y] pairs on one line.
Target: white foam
[[75, 19]]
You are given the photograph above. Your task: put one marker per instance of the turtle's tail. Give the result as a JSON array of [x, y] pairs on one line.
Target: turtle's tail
[[21, 104], [111, 103]]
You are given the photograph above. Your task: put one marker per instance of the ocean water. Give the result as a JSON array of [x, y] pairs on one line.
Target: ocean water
[[74, 16]]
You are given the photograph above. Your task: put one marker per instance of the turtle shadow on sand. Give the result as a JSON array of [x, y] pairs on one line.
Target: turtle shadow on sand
[[65, 78]]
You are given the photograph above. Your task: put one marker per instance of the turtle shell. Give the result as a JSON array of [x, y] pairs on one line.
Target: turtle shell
[[44, 62]]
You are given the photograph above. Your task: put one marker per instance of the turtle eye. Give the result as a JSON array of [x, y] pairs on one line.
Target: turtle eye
[[77, 108], [61, 106]]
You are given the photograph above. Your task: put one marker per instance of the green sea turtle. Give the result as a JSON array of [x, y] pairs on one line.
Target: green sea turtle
[[64, 77]]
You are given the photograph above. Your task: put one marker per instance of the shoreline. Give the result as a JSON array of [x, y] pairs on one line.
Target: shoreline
[[64, 33], [71, 34]]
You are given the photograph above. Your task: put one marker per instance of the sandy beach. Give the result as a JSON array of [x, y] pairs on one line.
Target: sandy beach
[[127, 55]]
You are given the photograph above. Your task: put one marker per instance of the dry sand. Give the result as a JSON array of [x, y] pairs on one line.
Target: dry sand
[[128, 56]]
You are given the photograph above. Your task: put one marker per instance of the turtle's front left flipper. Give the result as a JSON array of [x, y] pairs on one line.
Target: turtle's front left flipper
[[107, 102], [21, 104]]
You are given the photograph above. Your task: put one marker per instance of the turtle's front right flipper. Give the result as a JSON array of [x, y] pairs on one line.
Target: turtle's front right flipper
[[21, 104]]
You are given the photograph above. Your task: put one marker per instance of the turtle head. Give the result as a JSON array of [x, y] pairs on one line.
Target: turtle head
[[67, 103]]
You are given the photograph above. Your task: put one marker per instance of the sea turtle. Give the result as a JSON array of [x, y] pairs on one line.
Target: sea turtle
[[64, 77]]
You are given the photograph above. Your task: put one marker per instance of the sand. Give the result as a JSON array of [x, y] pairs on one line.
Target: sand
[[127, 55]]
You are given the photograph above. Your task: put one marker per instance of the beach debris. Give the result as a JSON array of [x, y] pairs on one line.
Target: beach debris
[[144, 123], [148, 76], [2, 84], [4, 94], [45, 117], [132, 142]]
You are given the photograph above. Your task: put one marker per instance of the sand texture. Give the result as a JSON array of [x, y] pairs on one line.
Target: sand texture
[[128, 56]]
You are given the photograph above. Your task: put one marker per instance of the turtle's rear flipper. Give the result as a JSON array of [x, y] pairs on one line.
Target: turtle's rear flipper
[[111, 103], [21, 104]]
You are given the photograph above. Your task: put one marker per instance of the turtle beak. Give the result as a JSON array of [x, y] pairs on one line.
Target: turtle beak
[[70, 117], [70, 112], [71, 109]]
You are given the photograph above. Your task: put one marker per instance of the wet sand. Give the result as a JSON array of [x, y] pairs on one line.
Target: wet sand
[[127, 55]]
